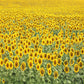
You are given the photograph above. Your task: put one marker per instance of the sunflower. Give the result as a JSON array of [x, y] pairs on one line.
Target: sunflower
[[31, 58], [43, 42], [65, 63], [39, 51], [25, 51], [25, 46], [5, 40], [40, 47], [21, 41], [72, 41], [57, 56], [57, 42], [32, 50], [45, 56], [66, 69], [76, 40], [80, 64], [20, 54], [35, 54], [48, 66], [35, 47], [3, 81], [56, 46], [79, 59], [11, 65], [76, 68], [71, 62], [59, 61], [0, 55], [71, 49], [37, 67], [77, 53], [11, 54], [82, 51], [1, 45], [48, 56], [21, 49], [47, 41], [13, 47], [5, 60], [9, 49], [56, 38], [31, 54], [6, 47], [55, 62], [2, 51], [71, 54], [67, 41], [33, 41], [65, 50], [41, 55], [42, 71], [23, 66], [50, 41], [40, 61], [16, 64], [13, 59], [8, 41], [17, 52], [62, 47], [61, 53], [1, 62], [7, 65], [55, 74], [49, 72], [35, 60], [30, 64], [12, 42], [51, 58], [16, 58], [37, 43], [80, 39]]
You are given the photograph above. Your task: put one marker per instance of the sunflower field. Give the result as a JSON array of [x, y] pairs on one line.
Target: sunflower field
[[41, 42]]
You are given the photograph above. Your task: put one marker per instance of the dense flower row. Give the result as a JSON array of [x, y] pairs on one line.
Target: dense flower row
[[41, 43]]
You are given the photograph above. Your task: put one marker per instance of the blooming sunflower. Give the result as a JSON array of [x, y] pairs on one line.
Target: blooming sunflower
[[16, 64], [71, 54], [65, 62], [11, 65], [30, 64], [23, 66], [55, 74], [80, 64], [49, 72], [38, 67], [76, 68], [7, 65], [66, 69], [55, 62], [42, 71]]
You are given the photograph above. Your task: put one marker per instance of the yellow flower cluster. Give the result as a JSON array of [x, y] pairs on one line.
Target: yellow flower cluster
[[47, 44]]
